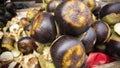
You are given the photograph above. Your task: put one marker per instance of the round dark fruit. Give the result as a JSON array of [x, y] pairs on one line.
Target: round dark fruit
[[110, 13], [102, 30], [67, 52], [2, 11], [26, 45], [11, 8], [43, 28], [113, 46], [51, 6], [73, 17], [89, 40]]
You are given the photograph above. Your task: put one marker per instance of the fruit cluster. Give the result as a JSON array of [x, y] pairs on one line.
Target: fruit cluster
[[7, 12], [65, 34]]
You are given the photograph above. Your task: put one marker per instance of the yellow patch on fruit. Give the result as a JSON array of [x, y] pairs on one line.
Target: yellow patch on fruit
[[7, 46], [81, 61], [38, 18], [76, 13], [74, 57]]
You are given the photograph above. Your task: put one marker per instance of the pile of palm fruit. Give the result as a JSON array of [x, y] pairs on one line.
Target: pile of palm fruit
[[61, 34]]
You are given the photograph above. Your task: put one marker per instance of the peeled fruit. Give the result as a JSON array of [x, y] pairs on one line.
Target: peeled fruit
[[67, 52], [73, 17], [110, 13], [102, 30], [117, 28], [43, 28], [26, 45], [89, 39]]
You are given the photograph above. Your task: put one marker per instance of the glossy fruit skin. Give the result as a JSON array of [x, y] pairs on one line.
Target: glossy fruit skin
[[89, 40], [67, 52], [96, 10], [2, 11], [113, 46], [8, 16], [43, 28], [3, 21], [110, 8], [11, 8], [26, 45], [52, 5], [102, 30], [110, 13], [71, 18]]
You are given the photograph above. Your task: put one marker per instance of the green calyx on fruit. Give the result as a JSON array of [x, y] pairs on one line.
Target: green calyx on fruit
[[112, 18], [73, 17], [67, 52]]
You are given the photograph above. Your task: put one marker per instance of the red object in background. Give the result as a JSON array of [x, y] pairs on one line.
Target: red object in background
[[97, 58]]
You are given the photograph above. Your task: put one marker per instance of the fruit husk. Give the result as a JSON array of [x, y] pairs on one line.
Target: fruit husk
[[112, 18], [30, 14]]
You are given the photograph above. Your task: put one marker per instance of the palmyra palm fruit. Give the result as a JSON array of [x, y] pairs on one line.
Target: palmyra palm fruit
[[110, 13], [43, 28], [73, 17], [67, 52]]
